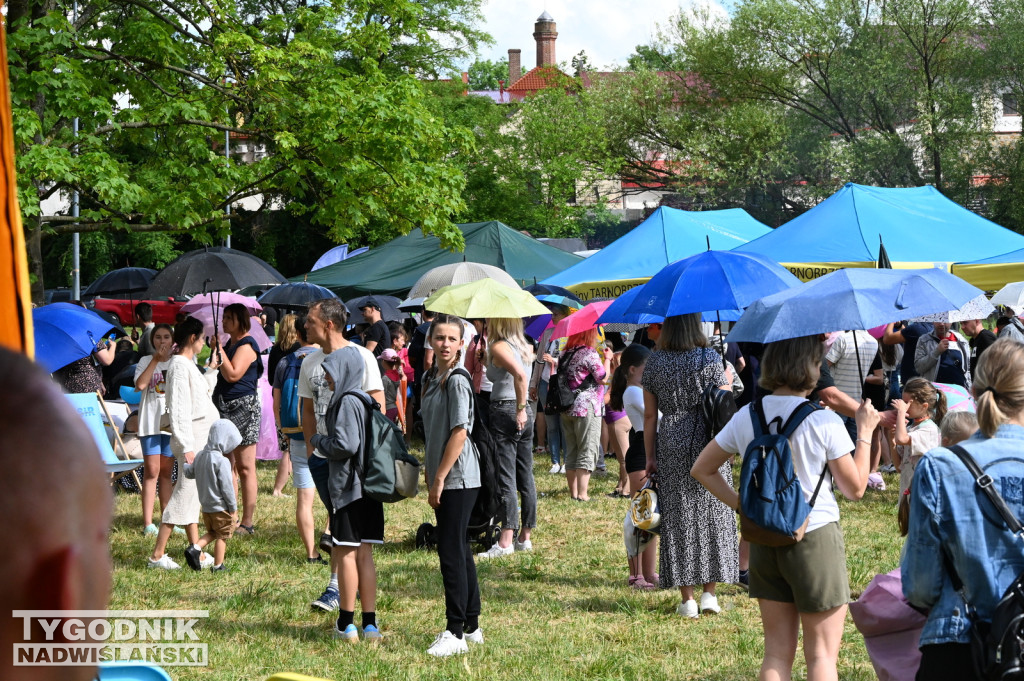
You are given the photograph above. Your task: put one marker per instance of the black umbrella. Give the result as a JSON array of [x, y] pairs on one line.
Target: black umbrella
[[883, 257], [120, 282], [218, 268], [389, 311], [294, 295], [115, 323], [550, 290]]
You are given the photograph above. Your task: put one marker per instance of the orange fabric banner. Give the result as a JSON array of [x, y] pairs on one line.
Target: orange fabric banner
[[15, 296]]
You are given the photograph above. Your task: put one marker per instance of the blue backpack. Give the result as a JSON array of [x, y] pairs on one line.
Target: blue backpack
[[291, 414], [773, 511]]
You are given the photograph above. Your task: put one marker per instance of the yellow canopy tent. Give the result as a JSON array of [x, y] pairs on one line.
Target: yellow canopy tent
[[991, 274], [15, 297]]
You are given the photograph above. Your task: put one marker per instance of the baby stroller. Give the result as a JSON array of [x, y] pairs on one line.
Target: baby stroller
[[483, 527]]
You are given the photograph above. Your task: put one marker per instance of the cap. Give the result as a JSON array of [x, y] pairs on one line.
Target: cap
[[389, 355]]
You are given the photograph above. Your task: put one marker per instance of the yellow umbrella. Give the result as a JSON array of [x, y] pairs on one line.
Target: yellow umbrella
[[483, 299]]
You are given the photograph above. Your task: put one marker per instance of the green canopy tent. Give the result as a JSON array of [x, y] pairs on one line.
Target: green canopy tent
[[393, 268]]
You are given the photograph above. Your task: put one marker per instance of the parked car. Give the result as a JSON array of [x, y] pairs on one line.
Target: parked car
[[164, 311]]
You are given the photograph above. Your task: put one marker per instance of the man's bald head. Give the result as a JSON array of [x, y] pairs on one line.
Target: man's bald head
[[55, 506]]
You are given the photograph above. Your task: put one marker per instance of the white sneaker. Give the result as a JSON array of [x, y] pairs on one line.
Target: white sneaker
[[446, 645], [561, 469], [709, 603], [688, 609], [523, 545], [164, 563], [555, 469], [496, 552], [205, 560], [476, 638]]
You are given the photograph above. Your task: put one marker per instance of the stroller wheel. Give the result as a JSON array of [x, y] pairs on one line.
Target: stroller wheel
[[425, 538]]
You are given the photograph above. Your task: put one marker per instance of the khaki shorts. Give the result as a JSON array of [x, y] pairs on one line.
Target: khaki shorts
[[811, 574], [581, 438], [219, 524]]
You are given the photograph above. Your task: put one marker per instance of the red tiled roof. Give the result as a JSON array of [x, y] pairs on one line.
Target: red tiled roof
[[540, 78]]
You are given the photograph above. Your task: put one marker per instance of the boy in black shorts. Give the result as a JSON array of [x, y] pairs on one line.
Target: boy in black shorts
[[358, 521]]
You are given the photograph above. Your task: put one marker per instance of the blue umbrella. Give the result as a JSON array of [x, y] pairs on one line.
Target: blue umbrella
[[851, 299], [712, 280], [337, 254], [65, 333], [619, 313]]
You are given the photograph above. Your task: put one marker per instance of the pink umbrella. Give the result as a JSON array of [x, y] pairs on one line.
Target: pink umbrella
[[957, 397], [220, 300], [581, 320], [891, 628], [205, 315]]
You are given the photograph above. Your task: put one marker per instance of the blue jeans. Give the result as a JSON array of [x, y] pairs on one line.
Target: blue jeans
[[553, 427]]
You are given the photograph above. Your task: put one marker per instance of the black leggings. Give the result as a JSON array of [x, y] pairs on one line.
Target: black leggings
[[458, 571]]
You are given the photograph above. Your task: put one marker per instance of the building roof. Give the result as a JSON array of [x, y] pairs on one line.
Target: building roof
[[545, 17], [539, 78]]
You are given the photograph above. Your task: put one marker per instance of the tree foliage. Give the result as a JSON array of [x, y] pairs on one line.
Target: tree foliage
[[326, 92], [484, 74]]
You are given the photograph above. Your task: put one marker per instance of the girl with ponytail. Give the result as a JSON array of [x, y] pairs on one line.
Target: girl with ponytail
[[953, 528]]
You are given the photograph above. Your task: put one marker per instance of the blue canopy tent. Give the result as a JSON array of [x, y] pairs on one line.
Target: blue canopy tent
[[668, 235], [919, 226]]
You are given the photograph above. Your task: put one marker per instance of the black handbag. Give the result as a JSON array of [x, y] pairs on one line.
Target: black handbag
[[717, 406]]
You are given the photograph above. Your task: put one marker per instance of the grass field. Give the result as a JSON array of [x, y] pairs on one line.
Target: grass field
[[560, 612]]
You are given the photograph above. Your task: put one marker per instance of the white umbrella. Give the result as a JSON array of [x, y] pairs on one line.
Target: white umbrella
[[1012, 296], [459, 273], [976, 308]]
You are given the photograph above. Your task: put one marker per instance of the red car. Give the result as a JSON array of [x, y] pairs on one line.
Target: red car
[[164, 311]]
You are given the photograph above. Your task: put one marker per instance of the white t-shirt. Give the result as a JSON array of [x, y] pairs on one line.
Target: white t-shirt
[[847, 374], [313, 385], [633, 401], [821, 436], [152, 404]]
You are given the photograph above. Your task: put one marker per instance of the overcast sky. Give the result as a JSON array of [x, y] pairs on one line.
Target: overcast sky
[[608, 30]]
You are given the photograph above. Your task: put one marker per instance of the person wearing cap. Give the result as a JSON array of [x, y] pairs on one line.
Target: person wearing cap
[[395, 387], [376, 338]]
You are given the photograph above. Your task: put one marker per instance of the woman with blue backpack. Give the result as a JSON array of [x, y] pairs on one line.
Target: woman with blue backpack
[[803, 583]]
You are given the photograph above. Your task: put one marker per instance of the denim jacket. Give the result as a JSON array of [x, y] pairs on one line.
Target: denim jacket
[[950, 514]]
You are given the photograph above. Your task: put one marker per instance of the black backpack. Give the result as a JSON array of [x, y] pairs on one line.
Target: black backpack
[[560, 396], [996, 645], [490, 499]]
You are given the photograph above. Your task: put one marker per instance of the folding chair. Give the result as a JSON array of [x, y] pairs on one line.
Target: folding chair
[[92, 409], [130, 671]]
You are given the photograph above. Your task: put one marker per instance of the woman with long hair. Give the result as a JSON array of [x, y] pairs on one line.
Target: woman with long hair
[[508, 356], [584, 370], [627, 392], [956, 536], [286, 343], [452, 468], [802, 585], [237, 398], [615, 428], [192, 413], [151, 381], [698, 532]]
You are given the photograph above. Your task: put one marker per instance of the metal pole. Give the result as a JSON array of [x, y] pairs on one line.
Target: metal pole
[[76, 273], [227, 155]]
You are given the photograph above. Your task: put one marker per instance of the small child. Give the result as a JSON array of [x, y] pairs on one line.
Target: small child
[[395, 386], [212, 472], [926, 407], [957, 427]]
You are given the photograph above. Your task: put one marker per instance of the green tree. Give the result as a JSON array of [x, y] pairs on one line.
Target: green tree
[[484, 74], [324, 95]]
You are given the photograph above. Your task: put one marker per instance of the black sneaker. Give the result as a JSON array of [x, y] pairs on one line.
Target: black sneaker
[[326, 543], [317, 561], [219, 568], [193, 554]]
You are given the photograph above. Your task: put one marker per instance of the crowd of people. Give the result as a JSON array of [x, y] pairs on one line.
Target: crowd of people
[[582, 400]]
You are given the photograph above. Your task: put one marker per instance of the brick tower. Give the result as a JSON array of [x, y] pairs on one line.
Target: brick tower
[[545, 34]]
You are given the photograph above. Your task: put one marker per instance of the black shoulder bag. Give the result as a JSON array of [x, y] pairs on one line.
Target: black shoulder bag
[[997, 646]]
